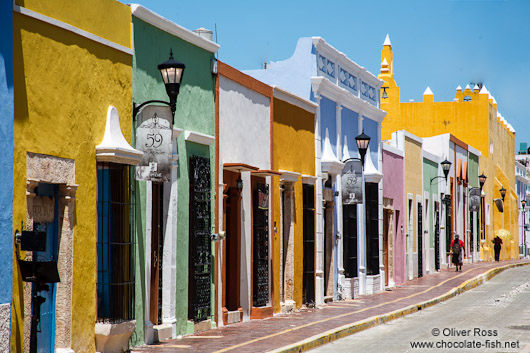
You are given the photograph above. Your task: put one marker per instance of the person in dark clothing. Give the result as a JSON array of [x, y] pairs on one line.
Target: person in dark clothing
[[457, 249], [497, 247]]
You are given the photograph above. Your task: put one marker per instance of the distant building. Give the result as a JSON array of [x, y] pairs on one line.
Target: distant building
[[522, 186], [473, 119]]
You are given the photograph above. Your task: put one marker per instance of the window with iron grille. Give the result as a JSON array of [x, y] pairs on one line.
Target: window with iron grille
[[115, 244], [372, 228]]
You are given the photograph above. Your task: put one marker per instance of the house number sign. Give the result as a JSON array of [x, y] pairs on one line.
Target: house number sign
[[153, 138], [351, 181]]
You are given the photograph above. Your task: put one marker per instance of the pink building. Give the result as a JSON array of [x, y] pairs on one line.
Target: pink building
[[393, 250]]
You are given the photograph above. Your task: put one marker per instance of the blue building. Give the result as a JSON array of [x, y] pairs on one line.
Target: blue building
[[349, 103], [6, 173]]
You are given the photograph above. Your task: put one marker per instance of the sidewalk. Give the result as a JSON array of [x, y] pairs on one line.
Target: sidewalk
[[310, 328]]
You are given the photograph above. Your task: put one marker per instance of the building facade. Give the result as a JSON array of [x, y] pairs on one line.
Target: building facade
[[6, 158], [473, 119], [348, 100], [294, 201], [72, 82], [174, 195], [244, 207], [522, 187], [394, 239]]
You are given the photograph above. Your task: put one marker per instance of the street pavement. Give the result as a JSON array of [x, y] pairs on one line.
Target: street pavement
[[494, 317], [310, 328]]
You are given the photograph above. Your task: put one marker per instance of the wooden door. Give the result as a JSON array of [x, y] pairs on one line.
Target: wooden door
[[155, 312]]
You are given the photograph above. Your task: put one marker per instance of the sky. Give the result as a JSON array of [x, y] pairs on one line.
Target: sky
[[437, 43]]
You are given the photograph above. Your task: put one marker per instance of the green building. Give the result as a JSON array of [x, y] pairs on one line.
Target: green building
[[174, 194]]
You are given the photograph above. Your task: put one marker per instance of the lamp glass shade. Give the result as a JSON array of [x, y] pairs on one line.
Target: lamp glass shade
[[446, 165], [502, 191], [362, 142], [523, 203], [239, 183], [171, 70], [482, 179]]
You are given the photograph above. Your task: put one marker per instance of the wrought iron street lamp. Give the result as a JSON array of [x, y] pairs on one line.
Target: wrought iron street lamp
[[482, 180], [523, 204], [172, 72], [239, 183], [446, 166], [362, 144], [503, 192]]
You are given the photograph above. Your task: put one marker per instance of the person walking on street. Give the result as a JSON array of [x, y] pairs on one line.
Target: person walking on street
[[497, 247], [457, 247]]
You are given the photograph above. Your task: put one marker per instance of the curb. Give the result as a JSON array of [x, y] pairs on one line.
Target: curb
[[349, 329]]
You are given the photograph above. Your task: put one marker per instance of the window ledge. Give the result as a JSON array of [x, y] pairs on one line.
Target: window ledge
[[114, 338]]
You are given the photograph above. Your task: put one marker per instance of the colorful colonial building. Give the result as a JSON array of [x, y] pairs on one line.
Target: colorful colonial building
[[73, 94], [348, 100], [394, 239], [175, 184], [244, 207], [294, 202], [473, 119]]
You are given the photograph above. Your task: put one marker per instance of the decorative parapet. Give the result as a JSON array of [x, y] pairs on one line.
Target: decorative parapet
[[345, 73]]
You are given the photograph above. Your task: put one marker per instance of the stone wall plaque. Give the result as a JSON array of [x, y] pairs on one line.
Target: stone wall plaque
[[43, 209]]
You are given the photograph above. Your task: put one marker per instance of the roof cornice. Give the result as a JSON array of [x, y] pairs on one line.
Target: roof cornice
[[295, 100], [323, 86], [166, 25], [325, 48]]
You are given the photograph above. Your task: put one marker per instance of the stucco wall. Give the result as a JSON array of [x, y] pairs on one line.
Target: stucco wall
[[294, 150], [64, 84], [244, 125], [6, 175], [393, 188], [430, 170]]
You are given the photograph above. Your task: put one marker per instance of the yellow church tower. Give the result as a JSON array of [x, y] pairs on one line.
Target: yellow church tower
[[390, 90]]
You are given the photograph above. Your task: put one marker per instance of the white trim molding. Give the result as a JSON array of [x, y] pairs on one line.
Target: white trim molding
[[392, 149], [114, 147], [295, 100], [199, 138], [176, 132], [288, 176], [309, 179], [324, 87], [166, 25], [73, 29]]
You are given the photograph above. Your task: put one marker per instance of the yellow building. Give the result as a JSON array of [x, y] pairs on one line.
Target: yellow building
[[73, 94], [473, 118], [294, 206]]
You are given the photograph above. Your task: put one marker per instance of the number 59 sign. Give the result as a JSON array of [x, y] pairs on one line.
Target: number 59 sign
[[153, 138]]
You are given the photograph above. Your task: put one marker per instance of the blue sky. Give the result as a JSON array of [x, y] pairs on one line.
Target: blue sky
[[436, 43]]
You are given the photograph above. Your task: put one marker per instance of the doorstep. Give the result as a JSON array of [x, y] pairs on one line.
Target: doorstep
[[262, 312]]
